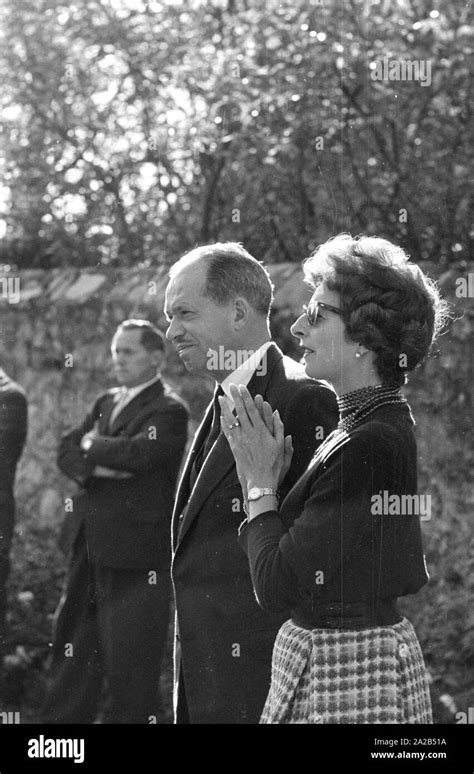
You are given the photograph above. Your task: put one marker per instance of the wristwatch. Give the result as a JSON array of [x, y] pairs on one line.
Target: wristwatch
[[255, 493]]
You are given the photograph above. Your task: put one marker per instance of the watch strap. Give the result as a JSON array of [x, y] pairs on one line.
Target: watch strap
[[255, 493]]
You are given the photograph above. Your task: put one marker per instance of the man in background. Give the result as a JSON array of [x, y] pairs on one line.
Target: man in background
[[13, 429], [111, 623], [217, 302]]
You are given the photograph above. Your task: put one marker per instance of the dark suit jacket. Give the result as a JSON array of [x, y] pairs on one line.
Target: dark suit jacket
[[361, 555], [225, 639], [13, 428], [127, 520]]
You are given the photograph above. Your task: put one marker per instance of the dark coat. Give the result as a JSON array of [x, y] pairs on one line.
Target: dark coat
[[127, 520], [225, 639], [13, 429]]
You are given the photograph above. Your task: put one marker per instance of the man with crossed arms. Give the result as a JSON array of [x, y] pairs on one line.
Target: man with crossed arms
[[112, 621]]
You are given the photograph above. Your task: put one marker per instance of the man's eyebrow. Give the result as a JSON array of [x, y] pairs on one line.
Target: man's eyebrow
[[178, 307]]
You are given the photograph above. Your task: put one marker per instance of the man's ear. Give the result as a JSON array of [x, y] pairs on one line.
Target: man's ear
[[157, 357], [241, 313]]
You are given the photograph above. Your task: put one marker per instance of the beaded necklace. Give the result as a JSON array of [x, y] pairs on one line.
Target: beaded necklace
[[357, 405]]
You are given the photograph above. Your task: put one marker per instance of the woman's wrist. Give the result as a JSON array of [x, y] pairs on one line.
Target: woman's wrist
[[262, 482], [265, 503], [260, 502]]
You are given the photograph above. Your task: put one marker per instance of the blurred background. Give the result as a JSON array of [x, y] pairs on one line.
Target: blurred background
[[133, 131]]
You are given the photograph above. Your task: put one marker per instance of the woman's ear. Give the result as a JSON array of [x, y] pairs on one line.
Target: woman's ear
[[365, 358], [361, 350]]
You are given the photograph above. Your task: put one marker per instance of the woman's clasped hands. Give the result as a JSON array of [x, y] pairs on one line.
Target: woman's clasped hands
[[256, 438]]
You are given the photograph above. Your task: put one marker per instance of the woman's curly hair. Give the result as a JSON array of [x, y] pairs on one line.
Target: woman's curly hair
[[388, 304]]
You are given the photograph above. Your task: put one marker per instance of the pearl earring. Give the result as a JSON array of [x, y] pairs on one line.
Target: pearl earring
[[358, 354]]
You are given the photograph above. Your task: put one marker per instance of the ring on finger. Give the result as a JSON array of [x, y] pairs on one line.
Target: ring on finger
[[234, 424]]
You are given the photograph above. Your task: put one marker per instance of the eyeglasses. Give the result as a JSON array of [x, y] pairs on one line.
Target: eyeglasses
[[312, 310]]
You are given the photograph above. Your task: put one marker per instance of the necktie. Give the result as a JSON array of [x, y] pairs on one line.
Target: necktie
[[119, 405], [211, 437]]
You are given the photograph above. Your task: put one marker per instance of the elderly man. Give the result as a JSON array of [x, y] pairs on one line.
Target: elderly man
[[217, 302], [111, 624]]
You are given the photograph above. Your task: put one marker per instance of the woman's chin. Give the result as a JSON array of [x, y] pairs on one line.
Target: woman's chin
[[312, 370], [310, 367]]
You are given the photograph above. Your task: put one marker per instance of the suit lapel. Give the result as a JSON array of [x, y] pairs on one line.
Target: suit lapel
[[182, 491], [136, 404], [217, 463]]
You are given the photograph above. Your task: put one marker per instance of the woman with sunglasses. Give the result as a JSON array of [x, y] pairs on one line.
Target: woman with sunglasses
[[345, 543]]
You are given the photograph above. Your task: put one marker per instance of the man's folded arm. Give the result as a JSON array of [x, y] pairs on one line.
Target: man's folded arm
[[162, 436], [70, 458]]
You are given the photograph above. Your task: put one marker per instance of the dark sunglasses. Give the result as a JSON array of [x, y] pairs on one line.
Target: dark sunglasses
[[312, 310]]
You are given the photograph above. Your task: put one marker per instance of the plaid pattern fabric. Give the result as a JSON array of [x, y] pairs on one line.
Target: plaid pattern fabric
[[338, 676]]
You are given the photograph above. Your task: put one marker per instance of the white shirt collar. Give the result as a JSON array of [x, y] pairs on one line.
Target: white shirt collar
[[128, 394], [243, 374]]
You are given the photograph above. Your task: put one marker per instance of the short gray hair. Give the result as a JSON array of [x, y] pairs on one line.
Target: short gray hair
[[231, 273]]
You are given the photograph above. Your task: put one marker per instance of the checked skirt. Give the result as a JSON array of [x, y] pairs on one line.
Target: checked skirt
[[336, 676]]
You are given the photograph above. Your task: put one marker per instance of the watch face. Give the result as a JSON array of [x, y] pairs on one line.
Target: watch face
[[253, 493]]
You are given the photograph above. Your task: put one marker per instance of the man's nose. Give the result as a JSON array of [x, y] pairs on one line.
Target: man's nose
[[173, 330]]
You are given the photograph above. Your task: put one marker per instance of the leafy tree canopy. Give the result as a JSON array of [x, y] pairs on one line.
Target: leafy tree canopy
[[134, 130]]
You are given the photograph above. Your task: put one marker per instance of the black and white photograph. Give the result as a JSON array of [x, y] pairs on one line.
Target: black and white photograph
[[236, 318]]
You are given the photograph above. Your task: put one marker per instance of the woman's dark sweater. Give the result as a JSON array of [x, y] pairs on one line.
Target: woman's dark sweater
[[329, 542]]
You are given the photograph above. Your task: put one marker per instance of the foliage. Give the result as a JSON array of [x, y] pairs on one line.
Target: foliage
[[133, 130]]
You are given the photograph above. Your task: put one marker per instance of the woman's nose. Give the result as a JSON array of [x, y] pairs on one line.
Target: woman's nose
[[298, 327]]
